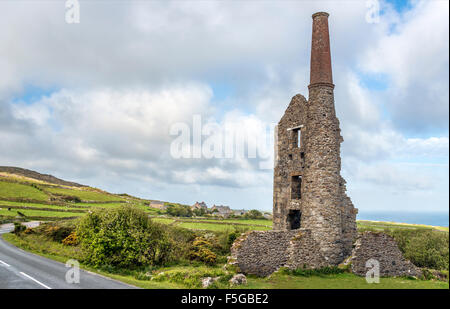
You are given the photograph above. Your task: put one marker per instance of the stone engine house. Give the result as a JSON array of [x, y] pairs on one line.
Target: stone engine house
[[309, 192], [314, 221]]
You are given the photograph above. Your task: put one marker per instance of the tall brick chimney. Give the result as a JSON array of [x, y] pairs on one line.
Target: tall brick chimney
[[320, 73]]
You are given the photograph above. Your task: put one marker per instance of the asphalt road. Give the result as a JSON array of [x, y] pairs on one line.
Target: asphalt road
[[23, 270]]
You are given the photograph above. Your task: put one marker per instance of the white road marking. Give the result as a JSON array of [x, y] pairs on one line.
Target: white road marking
[[40, 283], [3, 263]]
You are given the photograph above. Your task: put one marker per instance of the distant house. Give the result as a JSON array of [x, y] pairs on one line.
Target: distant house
[[220, 210], [158, 205], [240, 212], [198, 205], [268, 215]]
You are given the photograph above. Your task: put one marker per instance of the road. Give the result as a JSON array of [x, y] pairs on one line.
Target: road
[[23, 270]]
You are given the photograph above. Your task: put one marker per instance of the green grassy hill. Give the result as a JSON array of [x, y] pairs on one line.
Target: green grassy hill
[[31, 198]]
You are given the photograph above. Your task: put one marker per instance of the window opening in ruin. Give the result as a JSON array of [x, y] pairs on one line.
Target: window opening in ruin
[[290, 157], [294, 218], [296, 185], [298, 132]]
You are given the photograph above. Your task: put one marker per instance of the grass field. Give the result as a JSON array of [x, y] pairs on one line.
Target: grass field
[[84, 194], [11, 190], [38, 213], [213, 226], [381, 226]]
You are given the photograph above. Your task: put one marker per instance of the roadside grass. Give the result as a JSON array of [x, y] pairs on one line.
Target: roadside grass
[[84, 194], [189, 276], [39, 245], [11, 190]]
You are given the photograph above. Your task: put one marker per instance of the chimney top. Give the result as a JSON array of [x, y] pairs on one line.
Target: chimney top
[[320, 14], [320, 74]]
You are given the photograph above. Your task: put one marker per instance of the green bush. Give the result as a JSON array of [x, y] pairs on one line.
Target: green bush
[[424, 248], [123, 237], [18, 228], [232, 237], [178, 210], [253, 214]]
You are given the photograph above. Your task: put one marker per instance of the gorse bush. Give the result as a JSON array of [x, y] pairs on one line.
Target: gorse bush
[[123, 237], [57, 232], [71, 240], [424, 248], [201, 251]]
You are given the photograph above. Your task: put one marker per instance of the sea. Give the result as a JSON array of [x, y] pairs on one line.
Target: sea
[[427, 218]]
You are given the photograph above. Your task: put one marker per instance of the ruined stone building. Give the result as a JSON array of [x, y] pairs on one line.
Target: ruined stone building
[[314, 221], [309, 192]]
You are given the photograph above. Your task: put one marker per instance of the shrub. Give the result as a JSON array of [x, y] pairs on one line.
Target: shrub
[[232, 237], [178, 210], [18, 228], [123, 237], [71, 240], [424, 248], [28, 231], [57, 232], [253, 214], [201, 251]]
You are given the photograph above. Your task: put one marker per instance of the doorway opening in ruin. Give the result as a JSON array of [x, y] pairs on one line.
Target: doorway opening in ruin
[[296, 186], [294, 218]]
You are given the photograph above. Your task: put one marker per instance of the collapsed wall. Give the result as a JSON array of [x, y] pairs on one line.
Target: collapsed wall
[[384, 250]]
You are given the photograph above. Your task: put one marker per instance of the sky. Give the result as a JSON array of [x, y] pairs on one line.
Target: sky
[[101, 102]]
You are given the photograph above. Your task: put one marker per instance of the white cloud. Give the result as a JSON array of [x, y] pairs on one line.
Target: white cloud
[[131, 69], [415, 58]]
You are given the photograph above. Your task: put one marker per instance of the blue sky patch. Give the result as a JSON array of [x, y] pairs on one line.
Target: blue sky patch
[[32, 93]]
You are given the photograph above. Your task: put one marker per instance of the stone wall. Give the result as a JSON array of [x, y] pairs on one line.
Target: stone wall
[[304, 251], [384, 249], [289, 160], [264, 252], [261, 252]]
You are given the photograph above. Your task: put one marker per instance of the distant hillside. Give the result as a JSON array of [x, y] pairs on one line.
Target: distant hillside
[[35, 175]]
